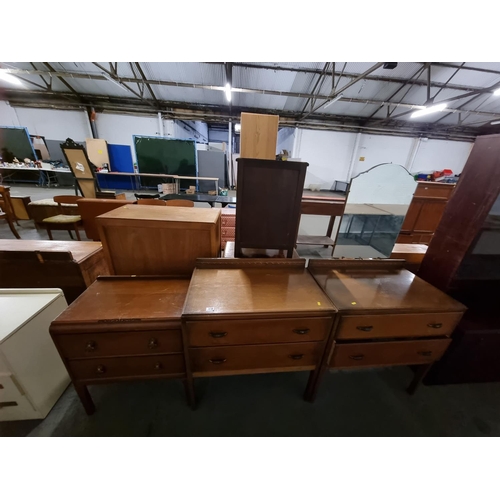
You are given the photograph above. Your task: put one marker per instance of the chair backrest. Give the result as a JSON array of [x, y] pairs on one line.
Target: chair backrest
[[151, 201], [67, 199], [90, 208], [5, 203], [180, 203]]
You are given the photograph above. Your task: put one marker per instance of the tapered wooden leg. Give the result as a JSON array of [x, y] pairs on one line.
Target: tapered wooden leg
[[49, 232], [77, 233], [315, 378], [420, 373], [70, 234], [85, 398], [13, 229], [190, 395]]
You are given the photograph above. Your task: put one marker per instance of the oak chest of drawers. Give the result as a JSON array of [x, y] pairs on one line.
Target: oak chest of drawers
[[121, 329], [386, 316], [245, 316]]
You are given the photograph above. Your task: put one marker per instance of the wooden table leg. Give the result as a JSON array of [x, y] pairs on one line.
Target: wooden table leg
[[315, 378], [85, 398], [330, 228], [420, 373]]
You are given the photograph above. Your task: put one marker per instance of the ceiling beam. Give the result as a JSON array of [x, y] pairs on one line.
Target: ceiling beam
[[469, 68], [63, 81], [143, 77]]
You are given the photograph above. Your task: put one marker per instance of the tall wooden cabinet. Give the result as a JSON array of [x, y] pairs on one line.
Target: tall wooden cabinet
[[425, 212], [269, 195]]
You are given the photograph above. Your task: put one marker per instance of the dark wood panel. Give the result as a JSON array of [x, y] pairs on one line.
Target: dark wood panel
[[477, 190]]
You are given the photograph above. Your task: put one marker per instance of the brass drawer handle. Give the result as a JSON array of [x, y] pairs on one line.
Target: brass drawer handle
[[218, 335], [101, 369], [91, 346], [153, 343], [7, 404], [357, 357], [435, 325], [158, 366], [301, 331], [217, 361], [425, 353], [365, 328], [296, 356]]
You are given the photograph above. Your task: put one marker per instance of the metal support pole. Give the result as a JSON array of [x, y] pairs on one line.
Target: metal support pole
[[91, 114], [230, 151], [160, 125], [353, 157]]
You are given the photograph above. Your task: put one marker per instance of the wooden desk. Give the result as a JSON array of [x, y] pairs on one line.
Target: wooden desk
[[69, 265], [153, 240], [122, 329], [332, 207], [254, 316], [387, 316]]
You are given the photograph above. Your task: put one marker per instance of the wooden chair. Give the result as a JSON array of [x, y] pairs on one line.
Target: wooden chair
[[63, 221], [151, 201], [7, 211], [180, 203]]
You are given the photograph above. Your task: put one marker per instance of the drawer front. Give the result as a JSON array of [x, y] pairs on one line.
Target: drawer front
[[14, 405], [410, 352], [244, 332], [94, 345], [228, 220], [276, 357], [228, 232], [127, 366], [397, 325]]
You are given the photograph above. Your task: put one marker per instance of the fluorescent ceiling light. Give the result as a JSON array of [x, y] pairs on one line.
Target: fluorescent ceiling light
[[6, 76], [237, 127], [428, 111], [497, 92], [228, 92], [497, 122], [335, 99]]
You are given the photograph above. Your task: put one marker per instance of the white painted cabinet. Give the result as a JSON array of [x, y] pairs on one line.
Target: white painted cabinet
[[32, 375]]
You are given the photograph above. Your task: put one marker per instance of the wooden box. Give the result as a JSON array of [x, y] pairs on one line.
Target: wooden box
[[269, 195], [121, 329], [153, 240]]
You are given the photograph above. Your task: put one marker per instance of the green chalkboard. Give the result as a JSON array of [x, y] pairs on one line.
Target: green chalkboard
[[159, 155], [15, 142]]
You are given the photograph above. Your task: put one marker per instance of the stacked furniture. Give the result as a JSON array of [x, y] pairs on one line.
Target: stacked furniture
[[425, 212], [386, 316], [149, 240], [413, 254], [123, 329], [258, 136], [228, 224], [41, 209], [69, 265], [269, 194], [32, 376]]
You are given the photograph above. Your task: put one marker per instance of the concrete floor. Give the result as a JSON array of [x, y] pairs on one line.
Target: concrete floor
[[349, 403]]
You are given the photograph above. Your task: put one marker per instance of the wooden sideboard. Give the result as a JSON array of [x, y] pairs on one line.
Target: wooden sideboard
[[425, 212], [122, 329], [69, 265], [152, 240], [246, 316], [386, 316]]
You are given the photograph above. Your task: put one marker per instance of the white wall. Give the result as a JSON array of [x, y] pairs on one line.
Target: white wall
[[329, 154], [8, 116], [286, 137]]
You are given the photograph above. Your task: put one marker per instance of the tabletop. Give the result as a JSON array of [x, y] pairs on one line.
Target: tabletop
[[119, 299], [265, 290], [80, 250], [373, 286], [171, 214]]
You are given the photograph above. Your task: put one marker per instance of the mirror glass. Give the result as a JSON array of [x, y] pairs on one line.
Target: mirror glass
[[377, 203]]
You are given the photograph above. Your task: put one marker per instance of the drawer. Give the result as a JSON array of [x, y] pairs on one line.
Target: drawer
[[227, 232], [410, 352], [256, 331], [14, 405], [228, 220], [255, 358], [397, 325], [127, 366], [93, 345]]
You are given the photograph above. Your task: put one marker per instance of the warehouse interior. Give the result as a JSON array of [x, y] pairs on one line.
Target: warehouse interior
[[364, 144]]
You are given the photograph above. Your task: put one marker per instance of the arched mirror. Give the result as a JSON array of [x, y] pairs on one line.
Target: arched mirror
[[376, 206]]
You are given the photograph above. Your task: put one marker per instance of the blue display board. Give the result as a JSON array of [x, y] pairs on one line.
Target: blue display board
[[120, 159]]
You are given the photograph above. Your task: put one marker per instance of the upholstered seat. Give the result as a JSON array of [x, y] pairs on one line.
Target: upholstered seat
[[63, 219]]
